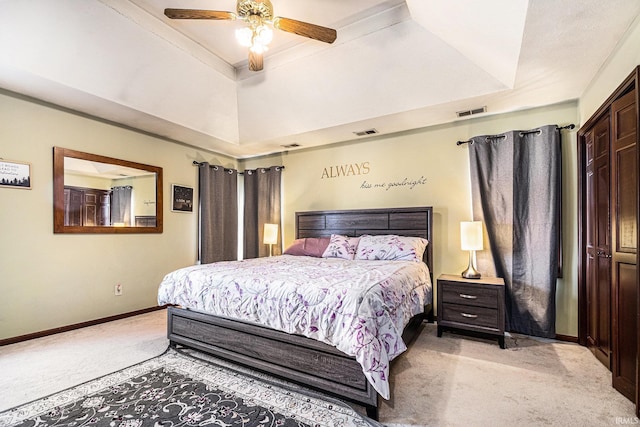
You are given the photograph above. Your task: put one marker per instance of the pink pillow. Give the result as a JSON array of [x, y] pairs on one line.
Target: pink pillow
[[310, 246], [341, 247]]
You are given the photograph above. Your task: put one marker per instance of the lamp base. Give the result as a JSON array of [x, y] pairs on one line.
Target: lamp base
[[470, 275], [471, 272]]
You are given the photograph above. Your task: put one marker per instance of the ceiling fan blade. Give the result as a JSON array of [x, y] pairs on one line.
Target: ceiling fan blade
[[198, 14], [256, 61], [312, 31]]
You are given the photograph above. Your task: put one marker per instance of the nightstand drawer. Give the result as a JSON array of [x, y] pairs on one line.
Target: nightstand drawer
[[480, 296], [470, 315]]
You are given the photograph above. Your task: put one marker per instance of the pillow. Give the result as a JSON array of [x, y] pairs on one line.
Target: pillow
[[391, 247], [310, 246], [341, 247]]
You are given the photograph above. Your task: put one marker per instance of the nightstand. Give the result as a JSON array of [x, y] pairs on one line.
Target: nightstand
[[471, 305]]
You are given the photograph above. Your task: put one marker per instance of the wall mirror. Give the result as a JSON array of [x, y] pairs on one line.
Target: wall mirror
[[98, 194]]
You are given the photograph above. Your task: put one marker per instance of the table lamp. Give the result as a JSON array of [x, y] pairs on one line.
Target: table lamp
[[270, 235], [471, 240]]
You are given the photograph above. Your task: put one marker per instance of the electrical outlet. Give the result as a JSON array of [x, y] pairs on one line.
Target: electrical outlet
[[118, 289]]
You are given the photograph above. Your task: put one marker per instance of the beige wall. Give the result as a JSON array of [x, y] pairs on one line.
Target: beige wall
[[624, 59], [431, 157], [75, 180], [51, 280]]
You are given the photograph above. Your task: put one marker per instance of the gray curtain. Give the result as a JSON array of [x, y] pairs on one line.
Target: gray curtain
[[218, 190], [516, 187], [121, 204], [261, 205]]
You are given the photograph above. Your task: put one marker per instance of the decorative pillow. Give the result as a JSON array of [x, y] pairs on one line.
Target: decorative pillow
[[391, 247], [341, 247], [310, 246]]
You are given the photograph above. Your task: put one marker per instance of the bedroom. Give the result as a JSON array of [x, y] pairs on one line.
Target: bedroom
[[55, 295]]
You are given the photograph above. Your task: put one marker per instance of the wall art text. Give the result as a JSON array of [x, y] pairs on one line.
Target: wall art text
[[407, 183], [351, 169]]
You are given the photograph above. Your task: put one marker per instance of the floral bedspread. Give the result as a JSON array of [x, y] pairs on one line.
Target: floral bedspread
[[358, 306]]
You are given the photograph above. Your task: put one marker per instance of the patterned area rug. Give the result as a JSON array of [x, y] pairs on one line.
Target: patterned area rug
[[184, 388]]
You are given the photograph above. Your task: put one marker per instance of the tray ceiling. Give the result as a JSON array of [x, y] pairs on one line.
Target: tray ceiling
[[395, 66]]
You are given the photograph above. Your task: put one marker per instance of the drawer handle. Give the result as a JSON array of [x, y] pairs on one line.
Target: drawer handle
[[465, 296], [469, 316]]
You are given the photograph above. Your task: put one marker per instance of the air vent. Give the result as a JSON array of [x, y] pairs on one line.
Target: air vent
[[471, 112], [294, 145], [366, 132]]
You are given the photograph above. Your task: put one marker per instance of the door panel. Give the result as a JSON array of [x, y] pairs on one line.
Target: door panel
[[598, 269], [626, 215], [624, 361], [624, 244], [73, 207]]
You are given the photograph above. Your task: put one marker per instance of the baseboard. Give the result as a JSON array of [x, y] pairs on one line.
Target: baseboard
[[14, 340], [566, 338]]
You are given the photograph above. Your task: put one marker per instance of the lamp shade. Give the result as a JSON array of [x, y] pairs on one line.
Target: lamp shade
[[471, 235], [270, 234], [244, 36]]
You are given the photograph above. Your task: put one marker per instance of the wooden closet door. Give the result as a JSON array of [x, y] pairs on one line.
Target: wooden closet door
[[73, 207], [90, 208], [104, 208], [598, 241], [624, 244]]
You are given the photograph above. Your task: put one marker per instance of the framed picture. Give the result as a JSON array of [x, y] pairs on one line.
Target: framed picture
[[181, 198], [15, 174]]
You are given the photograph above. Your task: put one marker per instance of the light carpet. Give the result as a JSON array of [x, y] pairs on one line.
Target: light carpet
[[455, 380], [459, 380]]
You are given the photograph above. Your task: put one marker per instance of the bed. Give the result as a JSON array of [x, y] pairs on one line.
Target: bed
[[292, 356]]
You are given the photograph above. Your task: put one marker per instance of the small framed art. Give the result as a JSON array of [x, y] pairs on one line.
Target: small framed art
[[15, 174], [181, 198]]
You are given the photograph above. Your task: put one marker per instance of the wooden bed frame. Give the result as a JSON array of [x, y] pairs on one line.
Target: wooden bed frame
[[294, 357]]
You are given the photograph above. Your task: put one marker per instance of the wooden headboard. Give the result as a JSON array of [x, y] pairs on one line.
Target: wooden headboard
[[400, 221]]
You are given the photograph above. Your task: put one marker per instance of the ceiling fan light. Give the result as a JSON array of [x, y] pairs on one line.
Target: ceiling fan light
[[258, 48], [244, 36], [264, 35]]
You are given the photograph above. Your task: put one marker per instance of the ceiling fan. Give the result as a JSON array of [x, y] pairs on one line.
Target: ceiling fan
[[258, 14]]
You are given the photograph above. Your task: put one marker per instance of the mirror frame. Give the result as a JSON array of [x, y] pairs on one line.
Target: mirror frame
[[58, 194]]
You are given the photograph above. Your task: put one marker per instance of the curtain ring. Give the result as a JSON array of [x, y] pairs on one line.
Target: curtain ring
[[249, 172], [215, 167], [537, 132], [263, 170], [490, 137], [230, 171]]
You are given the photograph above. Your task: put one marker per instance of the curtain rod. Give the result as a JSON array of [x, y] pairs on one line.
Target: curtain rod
[[570, 126], [239, 173]]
